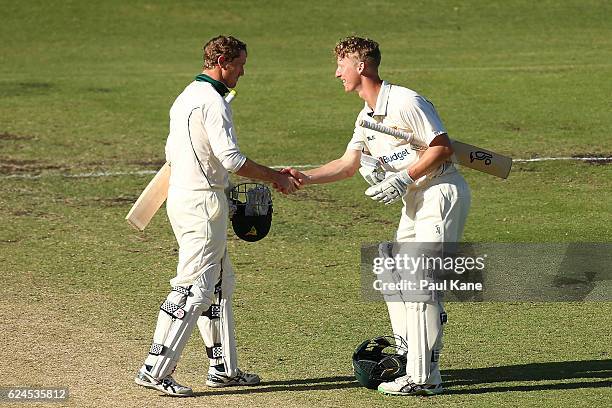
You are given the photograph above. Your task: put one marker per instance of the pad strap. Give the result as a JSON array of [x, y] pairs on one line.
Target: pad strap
[[172, 309], [184, 290], [215, 352], [213, 312], [156, 349]]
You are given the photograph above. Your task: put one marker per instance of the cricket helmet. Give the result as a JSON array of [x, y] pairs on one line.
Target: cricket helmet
[[379, 360], [252, 210]]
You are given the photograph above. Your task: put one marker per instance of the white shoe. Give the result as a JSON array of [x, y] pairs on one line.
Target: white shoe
[[218, 379], [168, 385], [405, 386]]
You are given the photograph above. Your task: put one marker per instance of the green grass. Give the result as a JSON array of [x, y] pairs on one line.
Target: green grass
[[87, 87]]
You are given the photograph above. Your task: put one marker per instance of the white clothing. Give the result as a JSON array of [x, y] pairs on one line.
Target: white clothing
[[201, 124]]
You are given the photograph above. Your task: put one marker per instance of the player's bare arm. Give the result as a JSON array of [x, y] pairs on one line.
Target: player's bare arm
[[284, 183], [439, 151], [335, 170]]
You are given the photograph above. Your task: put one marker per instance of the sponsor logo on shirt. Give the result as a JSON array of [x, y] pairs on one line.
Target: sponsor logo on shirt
[[401, 155]]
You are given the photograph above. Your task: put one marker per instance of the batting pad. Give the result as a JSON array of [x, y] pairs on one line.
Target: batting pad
[[217, 325], [172, 335], [424, 329]]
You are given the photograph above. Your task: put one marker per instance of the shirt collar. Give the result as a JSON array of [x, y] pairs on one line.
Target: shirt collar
[[219, 86], [381, 101]]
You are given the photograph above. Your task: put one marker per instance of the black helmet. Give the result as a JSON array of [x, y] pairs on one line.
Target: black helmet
[[379, 360], [252, 210]]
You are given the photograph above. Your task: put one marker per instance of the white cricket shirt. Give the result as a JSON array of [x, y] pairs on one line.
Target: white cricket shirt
[[202, 146], [401, 108]]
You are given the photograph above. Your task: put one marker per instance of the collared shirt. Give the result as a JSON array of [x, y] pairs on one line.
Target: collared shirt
[[401, 108], [202, 146], [219, 86]]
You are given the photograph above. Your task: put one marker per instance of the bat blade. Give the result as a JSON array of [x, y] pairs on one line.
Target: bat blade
[[152, 197], [465, 154], [481, 159]]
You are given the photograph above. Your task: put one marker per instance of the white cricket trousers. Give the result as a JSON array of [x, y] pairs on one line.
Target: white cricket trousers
[[434, 213], [199, 221]]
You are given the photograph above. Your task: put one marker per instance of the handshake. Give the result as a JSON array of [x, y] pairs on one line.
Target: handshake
[[385, 188], [289, 180]]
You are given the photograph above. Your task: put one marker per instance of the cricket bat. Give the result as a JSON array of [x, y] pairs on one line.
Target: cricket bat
[[155, 193], [151, 198], [465, 154]]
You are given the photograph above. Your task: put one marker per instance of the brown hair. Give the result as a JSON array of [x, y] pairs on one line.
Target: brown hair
[[226, 46], [361, 48]]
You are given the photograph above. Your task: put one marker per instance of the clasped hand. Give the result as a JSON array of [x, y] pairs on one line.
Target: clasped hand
[[286, 182]]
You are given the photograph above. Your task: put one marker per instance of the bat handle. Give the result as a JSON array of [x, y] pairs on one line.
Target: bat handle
[[400, 134], [230, 96]]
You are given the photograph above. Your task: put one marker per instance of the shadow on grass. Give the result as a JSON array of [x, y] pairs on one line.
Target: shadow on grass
[[306, 384], [555, 371], [560, 372]]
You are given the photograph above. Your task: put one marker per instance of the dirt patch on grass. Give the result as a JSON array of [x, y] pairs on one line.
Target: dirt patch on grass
[[9, 241], [51, 349], [596, 158], [28, 212], [24, 212], [93, 345], [115, 201], [34, 167], [12, 136], [603, 161], [99, 90], [25, 88]]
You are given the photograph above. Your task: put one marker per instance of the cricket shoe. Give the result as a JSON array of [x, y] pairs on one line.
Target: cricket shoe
[[405, 386], [168, 385], [217, 379]]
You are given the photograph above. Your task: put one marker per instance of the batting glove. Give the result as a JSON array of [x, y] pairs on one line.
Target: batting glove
[[391, 188], [370, 169], [372, 175]]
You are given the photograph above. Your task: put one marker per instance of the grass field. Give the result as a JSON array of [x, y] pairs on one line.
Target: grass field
[[86, 87]]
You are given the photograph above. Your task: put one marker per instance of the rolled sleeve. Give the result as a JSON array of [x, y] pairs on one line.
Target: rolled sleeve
[[233, 161], [222, 136]]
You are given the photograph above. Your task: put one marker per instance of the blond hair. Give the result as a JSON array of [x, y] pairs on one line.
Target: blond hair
[[362, 49]]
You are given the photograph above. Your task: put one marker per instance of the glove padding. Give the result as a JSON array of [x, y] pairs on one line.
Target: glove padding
[[372, 175], [370, 169], [391, 188]]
